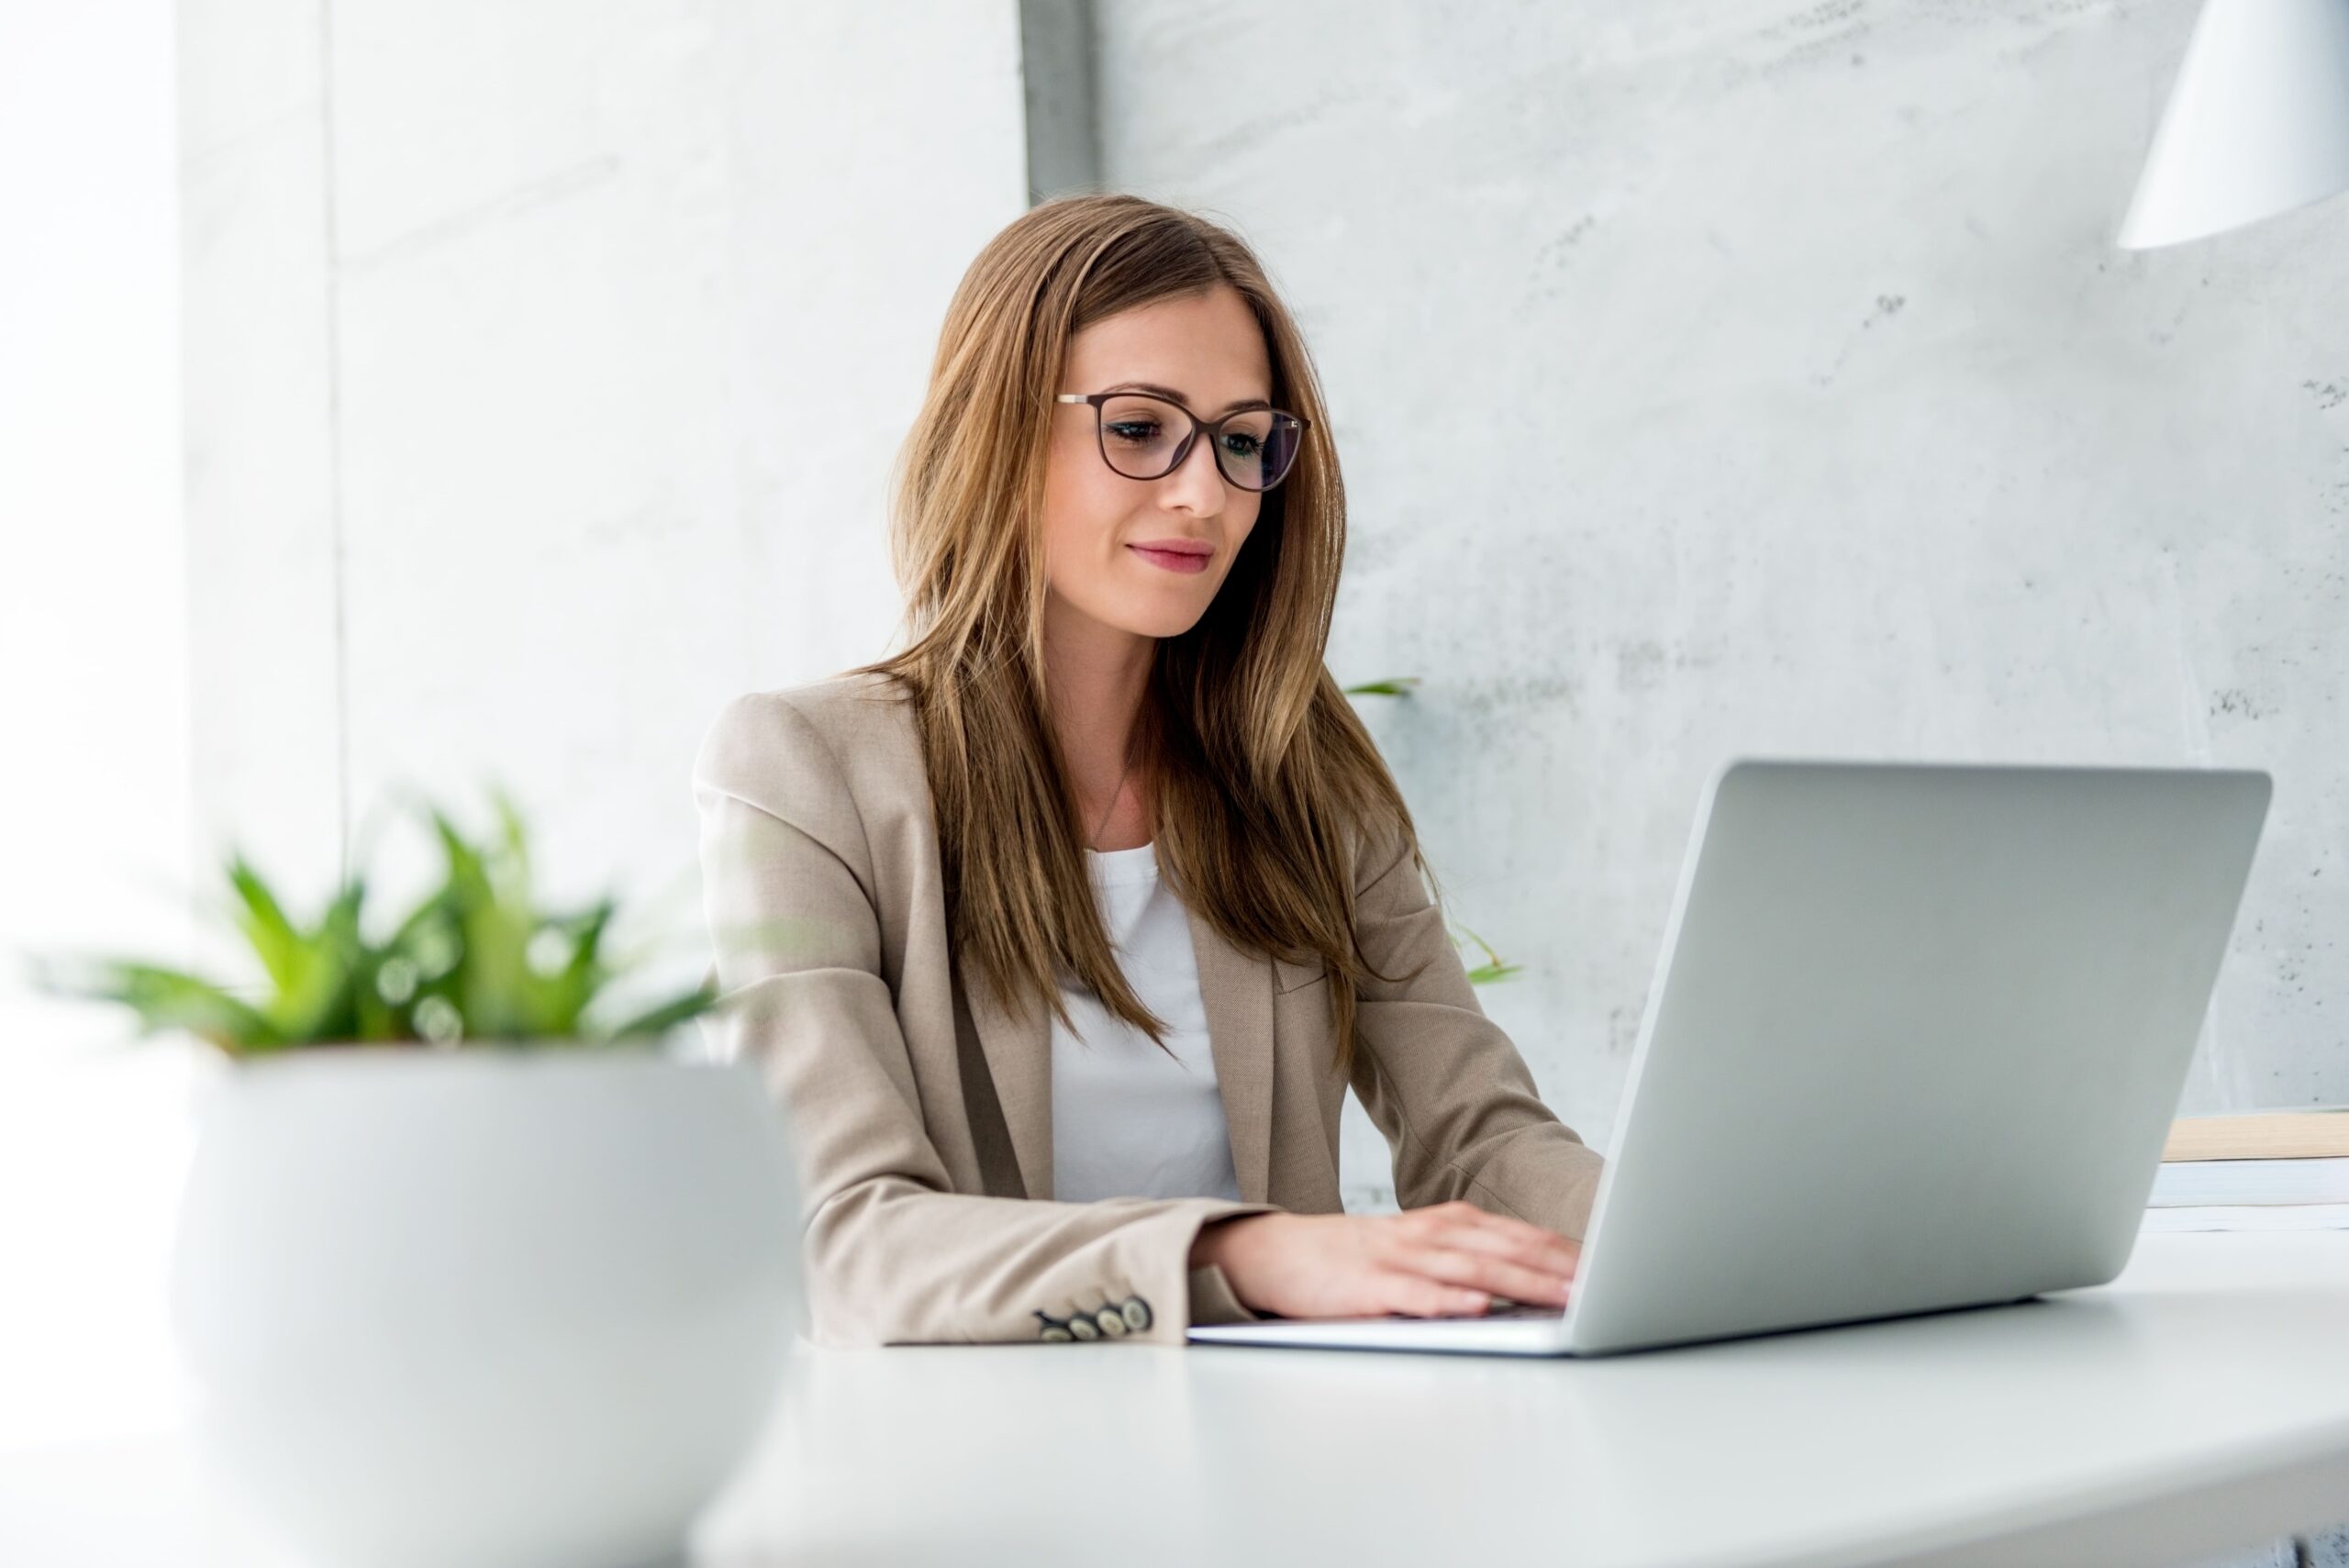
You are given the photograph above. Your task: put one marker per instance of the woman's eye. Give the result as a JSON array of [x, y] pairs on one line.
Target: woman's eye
[[1243, 446], [1135, 430]]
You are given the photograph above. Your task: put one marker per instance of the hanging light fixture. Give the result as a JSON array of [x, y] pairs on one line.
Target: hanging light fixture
[[2257, 122]]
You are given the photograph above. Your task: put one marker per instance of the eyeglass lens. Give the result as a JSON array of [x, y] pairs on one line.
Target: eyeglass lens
[[1139, 434]]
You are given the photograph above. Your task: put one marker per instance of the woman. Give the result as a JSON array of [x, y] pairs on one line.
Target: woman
[[1073, 922]]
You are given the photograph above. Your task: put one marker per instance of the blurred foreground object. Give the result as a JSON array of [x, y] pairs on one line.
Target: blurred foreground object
[[485, 1309], [448, 1303]]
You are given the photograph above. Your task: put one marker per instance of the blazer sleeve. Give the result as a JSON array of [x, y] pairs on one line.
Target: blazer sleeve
[[893, 1256], [1444, 1082]]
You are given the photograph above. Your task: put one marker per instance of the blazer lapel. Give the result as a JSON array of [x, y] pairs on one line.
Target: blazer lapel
[[1019, 1048], [1236, 987]]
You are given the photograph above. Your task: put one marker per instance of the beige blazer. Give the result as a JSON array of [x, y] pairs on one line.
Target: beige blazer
[[923, 1114]]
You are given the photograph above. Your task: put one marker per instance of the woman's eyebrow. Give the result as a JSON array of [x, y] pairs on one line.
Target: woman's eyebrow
[[1173, 396]]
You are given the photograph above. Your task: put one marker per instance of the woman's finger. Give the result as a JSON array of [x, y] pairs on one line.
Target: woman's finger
[[1535, 1248], [1425, 1298], [1466, 1225], [1483, 1270], [1534, 1235]]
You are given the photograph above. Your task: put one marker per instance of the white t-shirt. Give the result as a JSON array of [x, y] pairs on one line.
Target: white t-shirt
[[1127, 1121]]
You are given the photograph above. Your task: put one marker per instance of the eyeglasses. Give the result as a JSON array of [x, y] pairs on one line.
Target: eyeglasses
[[1143, 437]]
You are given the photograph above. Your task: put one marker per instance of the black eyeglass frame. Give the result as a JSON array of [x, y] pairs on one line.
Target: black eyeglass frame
[[1213, 429]]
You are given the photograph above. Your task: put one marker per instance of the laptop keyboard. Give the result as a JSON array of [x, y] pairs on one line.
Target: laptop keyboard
[[1508, 1309]]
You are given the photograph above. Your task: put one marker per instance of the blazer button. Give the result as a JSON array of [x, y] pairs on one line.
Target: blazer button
[[1136, 1313], [1112, 1322], [1055, 1334]]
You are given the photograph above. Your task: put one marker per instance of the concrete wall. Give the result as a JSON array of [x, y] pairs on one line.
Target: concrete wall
[[1735, 376], [544, 365], [1759, 376]]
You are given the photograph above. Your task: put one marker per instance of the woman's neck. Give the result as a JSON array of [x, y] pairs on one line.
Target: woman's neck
[[1098, 677]]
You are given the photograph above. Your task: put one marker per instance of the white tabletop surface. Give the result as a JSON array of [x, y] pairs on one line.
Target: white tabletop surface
[[2199, 1404]]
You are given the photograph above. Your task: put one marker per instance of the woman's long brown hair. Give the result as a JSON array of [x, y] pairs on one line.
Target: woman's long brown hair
[[1261, 779]]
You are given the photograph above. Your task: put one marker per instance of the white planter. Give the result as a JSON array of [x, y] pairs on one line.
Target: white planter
[[485, 1308]]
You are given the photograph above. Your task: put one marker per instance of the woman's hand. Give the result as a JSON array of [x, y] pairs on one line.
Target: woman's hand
[[1449, 1259]]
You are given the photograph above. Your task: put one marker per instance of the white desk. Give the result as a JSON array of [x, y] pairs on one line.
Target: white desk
[[2199, 1405]]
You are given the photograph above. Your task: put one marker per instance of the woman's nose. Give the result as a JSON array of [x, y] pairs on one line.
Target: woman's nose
[[1198, 481]]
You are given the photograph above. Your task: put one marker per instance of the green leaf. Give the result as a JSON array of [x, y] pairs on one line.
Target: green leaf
[[584, 974], [168, 999], [492, 976], [1493, 968], [667, 1016], [263, 920], [1393, 686]]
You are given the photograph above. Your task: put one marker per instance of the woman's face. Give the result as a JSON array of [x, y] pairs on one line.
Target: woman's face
[[1206, 351]]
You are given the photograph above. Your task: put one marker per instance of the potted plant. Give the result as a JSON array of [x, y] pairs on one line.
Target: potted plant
[[467, 1274]]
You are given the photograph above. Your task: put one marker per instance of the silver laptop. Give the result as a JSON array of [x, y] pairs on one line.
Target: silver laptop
[[1914, 1042]]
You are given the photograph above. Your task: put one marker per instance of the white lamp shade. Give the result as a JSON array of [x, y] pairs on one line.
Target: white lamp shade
[[2258, 123]]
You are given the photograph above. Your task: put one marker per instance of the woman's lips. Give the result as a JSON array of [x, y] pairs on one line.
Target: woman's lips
[[1172, 560]]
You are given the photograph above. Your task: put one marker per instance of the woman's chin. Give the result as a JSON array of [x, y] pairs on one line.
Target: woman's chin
[[1157, 625]]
